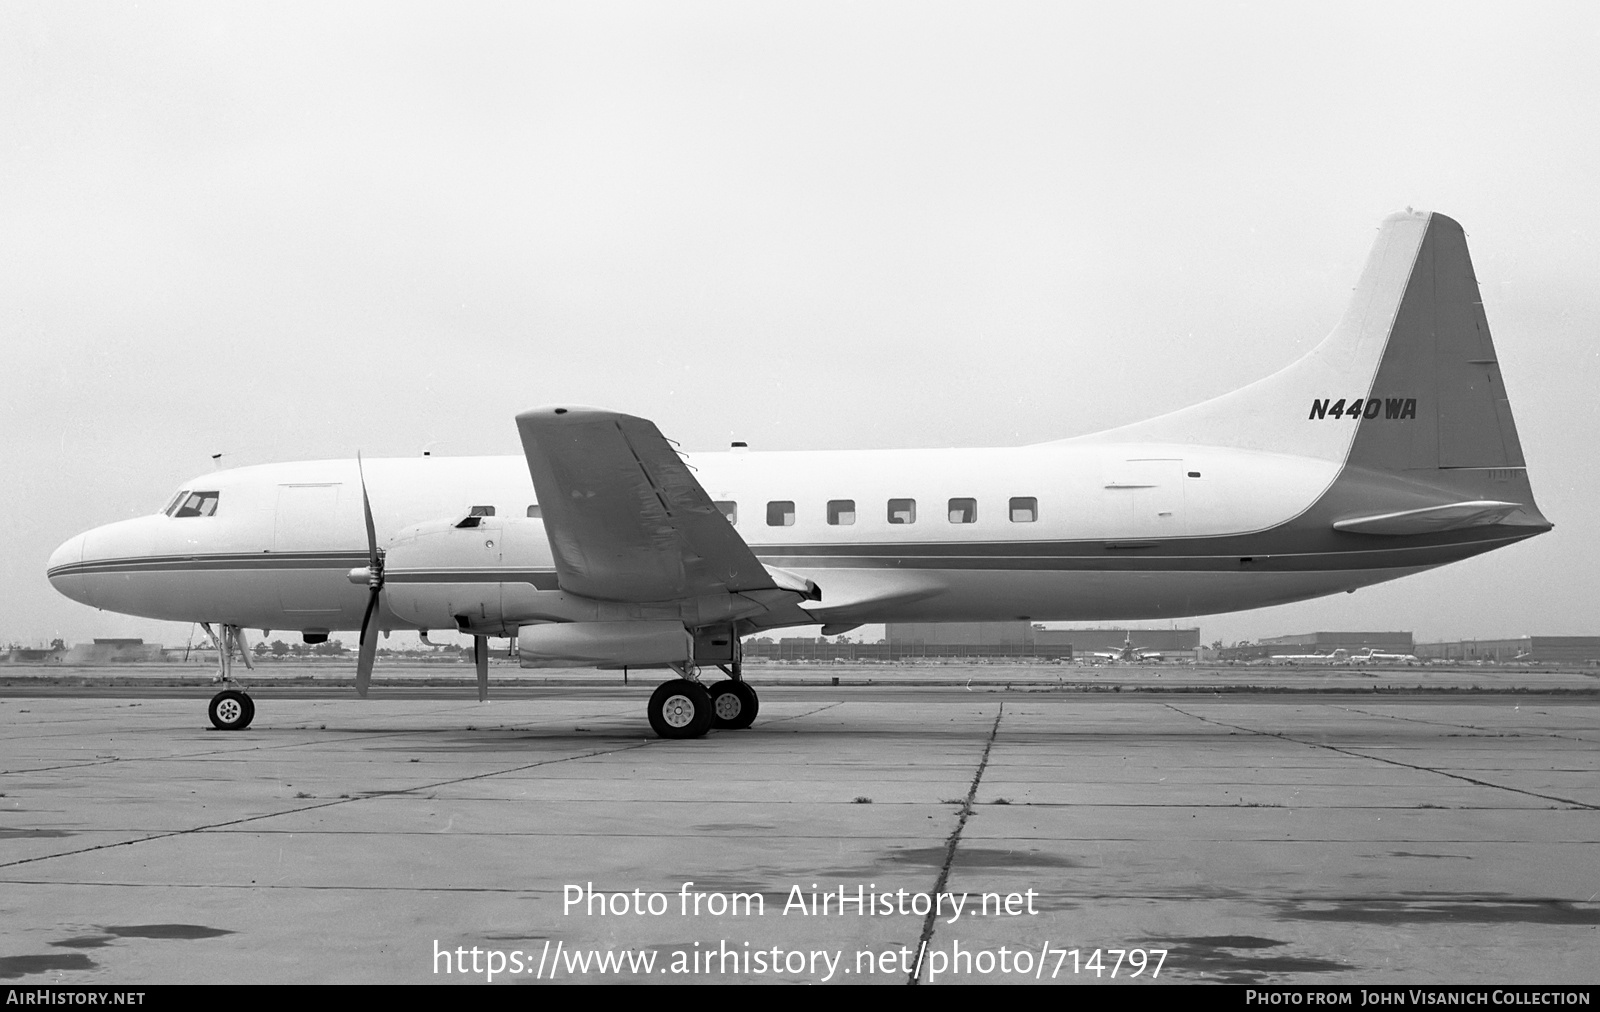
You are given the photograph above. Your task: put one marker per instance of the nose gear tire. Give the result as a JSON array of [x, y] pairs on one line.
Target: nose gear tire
[[231, 710]]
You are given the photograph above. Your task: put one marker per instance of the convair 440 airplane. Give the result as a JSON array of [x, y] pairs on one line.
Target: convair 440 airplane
[[1388, 450]]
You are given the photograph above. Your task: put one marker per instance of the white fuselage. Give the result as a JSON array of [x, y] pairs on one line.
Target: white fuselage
[[1057, 531]]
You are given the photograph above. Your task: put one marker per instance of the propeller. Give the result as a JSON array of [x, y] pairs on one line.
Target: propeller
[[372, 576]]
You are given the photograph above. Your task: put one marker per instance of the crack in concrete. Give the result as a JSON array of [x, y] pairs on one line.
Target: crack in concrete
[[1392, 762], [328, 804], [1471, 727], [951, 843]]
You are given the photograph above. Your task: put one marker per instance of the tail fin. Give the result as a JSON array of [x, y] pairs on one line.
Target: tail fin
[[1440, 354], [1407, 381]]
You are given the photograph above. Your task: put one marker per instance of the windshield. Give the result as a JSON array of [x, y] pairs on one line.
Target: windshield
[[193, 504]]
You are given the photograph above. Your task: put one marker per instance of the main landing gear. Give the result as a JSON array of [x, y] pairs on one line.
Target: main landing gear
[[683, 708], [232, 709]]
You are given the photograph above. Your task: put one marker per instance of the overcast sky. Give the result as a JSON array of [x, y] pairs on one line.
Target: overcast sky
[[285, 231]]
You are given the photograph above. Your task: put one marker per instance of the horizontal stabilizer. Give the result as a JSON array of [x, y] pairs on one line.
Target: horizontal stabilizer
[[1430, 519]]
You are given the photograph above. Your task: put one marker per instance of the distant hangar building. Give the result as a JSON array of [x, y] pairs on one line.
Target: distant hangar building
[[1527, 649], [958, 639], [1328, 642]]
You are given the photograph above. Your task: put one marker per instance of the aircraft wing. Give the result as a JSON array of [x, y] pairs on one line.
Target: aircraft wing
[[626, 518]]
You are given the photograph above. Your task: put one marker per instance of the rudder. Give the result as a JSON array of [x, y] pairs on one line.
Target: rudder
[[1443, 404]]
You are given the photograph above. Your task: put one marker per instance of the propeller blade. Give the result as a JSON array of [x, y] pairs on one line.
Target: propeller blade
[[366, 509], [369, 647], [480, 657]]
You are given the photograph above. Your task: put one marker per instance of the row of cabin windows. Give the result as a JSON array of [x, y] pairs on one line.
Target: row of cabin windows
[[842, 512]]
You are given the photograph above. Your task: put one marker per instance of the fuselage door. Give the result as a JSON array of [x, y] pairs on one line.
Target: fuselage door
[[310, 544], [1144, 497]]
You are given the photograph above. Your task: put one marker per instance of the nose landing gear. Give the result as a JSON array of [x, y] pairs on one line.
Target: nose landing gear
[[232, 709]]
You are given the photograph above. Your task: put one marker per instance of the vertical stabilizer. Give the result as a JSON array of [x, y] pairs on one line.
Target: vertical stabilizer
[[1439, 377], [1405, 394], [1408, 379]]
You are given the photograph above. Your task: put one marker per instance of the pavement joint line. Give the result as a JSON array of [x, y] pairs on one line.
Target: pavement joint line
[[1391, 762], [244, 749], [1470, 727], [797, 716], [328, 804], [252, 886], [950, 846]]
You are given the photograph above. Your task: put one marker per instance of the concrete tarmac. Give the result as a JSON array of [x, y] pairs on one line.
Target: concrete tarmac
[[1313, 837]]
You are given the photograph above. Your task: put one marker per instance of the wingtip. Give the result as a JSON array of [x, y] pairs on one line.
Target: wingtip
[[566, 411]]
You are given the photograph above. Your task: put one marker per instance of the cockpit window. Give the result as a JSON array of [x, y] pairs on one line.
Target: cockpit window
[[194, 504], [169, 507]]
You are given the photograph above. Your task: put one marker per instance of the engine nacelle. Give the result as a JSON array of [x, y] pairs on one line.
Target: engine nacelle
[[452, 574], [605, 645]]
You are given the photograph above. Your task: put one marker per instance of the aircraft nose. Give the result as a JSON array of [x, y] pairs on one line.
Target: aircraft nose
[[64, 569]]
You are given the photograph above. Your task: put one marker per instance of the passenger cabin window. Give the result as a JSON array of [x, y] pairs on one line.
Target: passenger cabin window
[[963, 511], [1024, 510], [902, 511], [481, 511], [535, 513], [729, 510], [841, 512], [195, 504], [780, 514]]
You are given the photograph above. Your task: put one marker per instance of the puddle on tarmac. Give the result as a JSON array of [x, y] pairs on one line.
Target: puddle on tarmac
[[84, 942], [979, 857], [1466, 911], [731, 827], [12, 967], [184, 931], [1239, 959]]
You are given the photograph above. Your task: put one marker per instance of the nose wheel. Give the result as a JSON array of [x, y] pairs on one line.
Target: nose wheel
[[231, 710], [733, 705], [680, 709]]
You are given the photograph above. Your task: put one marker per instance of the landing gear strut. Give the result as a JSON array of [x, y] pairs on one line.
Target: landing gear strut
[[232, 709], [683, 708]]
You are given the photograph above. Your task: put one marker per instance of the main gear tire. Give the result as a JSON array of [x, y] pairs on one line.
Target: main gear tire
[[680, 709], [734, 705]]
